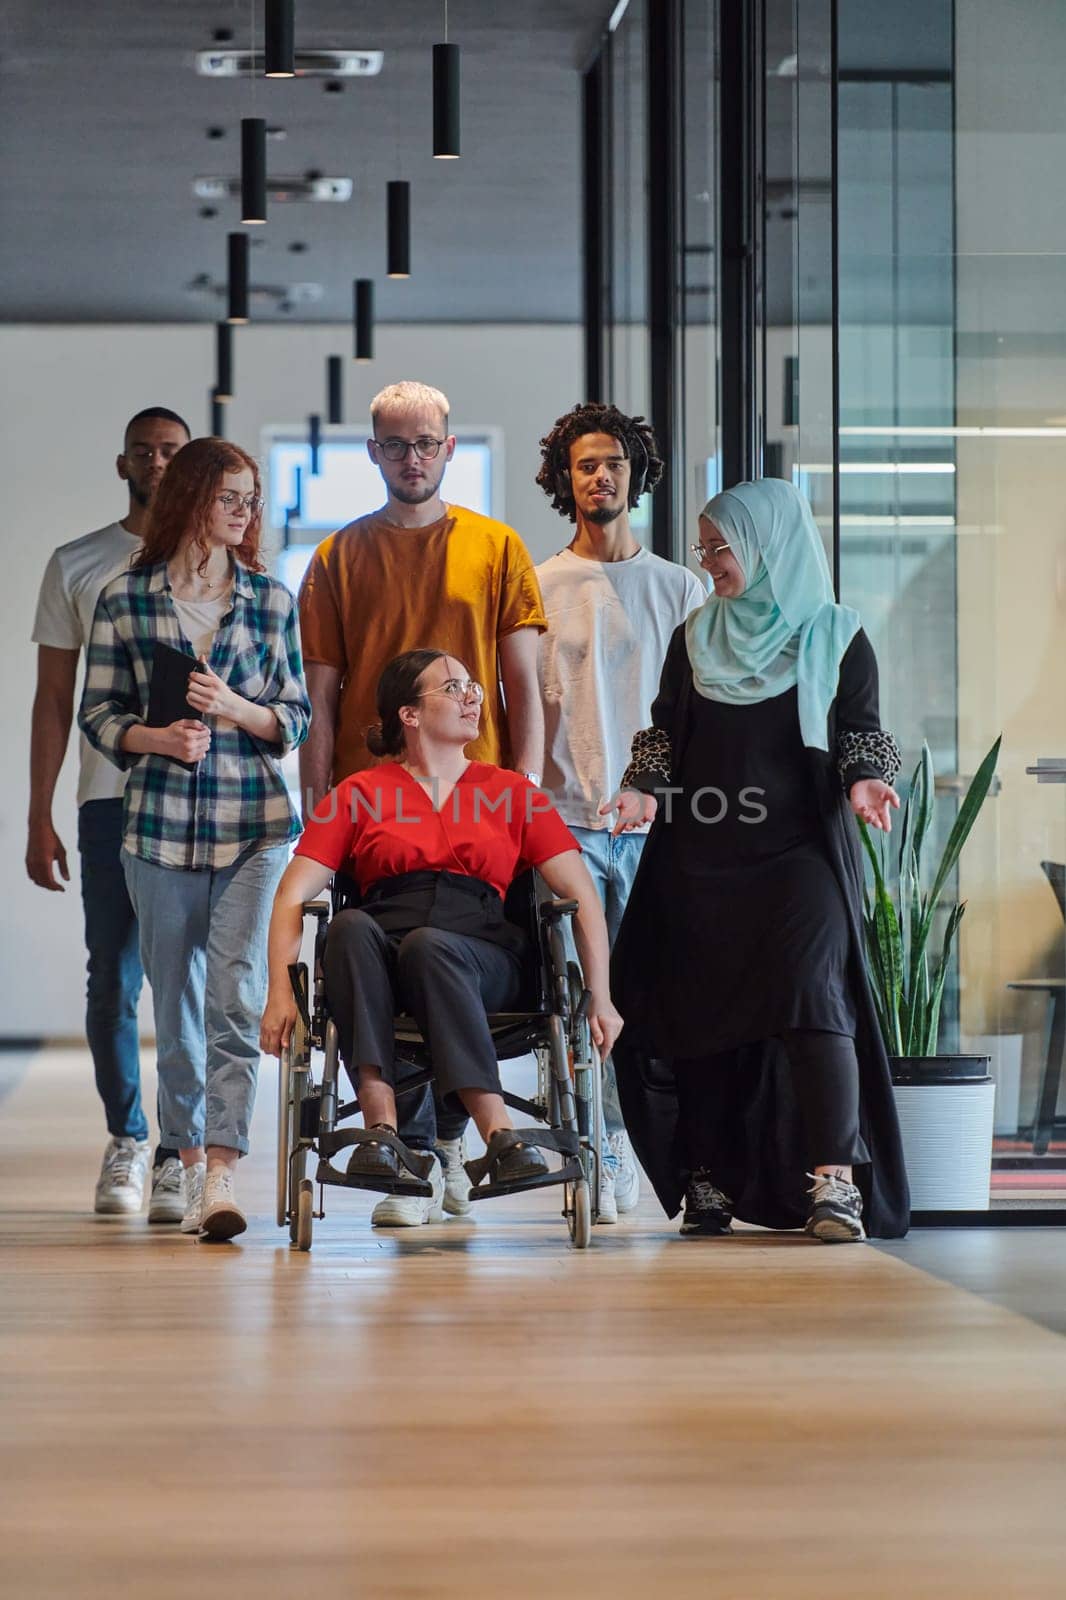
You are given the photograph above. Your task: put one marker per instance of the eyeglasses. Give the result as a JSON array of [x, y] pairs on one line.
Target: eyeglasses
[[229, 500], [459, 689], [703, 554], [396, 449]]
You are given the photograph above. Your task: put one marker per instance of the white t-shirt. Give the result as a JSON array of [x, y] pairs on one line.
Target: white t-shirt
[[70, 588], [608, 628], [199, 619]]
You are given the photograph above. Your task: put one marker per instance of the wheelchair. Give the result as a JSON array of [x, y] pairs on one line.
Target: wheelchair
[[552, 1024]]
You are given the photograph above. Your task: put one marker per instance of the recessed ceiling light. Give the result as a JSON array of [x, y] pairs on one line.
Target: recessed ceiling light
[[309, 63], [279, 189]]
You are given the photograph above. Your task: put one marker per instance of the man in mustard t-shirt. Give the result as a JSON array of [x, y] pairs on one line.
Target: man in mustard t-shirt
[[419, 573]]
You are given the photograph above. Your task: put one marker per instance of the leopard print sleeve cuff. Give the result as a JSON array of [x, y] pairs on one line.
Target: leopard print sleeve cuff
[[648, 758], [871, 749]]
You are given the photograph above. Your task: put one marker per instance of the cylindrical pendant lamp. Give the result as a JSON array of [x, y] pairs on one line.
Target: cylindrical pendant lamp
[[253, 170], [334, 389], [446, 101], [399, 230], [314, 439], [279, 59], [223, 361], [237, 278], [218, 416], [364, 319]]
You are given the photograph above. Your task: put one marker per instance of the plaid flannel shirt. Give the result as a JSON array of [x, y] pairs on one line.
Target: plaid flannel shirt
[[236, 797]]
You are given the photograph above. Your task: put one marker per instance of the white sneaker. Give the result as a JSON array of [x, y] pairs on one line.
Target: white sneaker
[[193, 1185], [221, 1217], [123, 1175], [626, 1174], [608, 1200], [411, 1210], [168, 1195], [456, 1181]]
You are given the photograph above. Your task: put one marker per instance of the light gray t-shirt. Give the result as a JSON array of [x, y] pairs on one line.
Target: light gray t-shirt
[[70, 588], [608, 628]]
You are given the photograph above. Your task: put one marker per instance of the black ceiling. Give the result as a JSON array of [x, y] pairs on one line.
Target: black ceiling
[[105, 125]]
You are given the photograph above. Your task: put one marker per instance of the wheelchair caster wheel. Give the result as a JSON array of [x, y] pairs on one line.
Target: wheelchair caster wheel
[[579, 1214], [304, 1215]]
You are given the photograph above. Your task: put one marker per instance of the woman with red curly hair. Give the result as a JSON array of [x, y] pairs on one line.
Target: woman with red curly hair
[[207, 818]]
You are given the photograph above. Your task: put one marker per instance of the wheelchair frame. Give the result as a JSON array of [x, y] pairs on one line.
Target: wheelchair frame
[[568, 1096]]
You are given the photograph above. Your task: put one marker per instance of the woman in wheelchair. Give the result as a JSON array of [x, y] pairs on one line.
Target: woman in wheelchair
[[433, 841]]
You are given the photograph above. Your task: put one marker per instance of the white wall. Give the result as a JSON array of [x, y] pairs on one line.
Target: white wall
[[65, 395]]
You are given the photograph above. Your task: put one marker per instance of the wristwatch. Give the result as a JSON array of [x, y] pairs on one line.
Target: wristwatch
[[534, 778]]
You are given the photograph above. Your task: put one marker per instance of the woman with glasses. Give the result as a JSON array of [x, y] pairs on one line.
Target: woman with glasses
[[752, 1054], [207, 817], [433, 841]]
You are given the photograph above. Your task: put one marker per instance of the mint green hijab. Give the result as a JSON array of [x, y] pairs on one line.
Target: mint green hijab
[[785, 628]]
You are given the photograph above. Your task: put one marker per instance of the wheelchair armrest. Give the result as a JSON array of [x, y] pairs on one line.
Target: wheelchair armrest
[[316, 908], [298, 979], [554, 910]]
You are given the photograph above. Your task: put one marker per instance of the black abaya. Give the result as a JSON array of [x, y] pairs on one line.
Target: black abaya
[[739, 930]]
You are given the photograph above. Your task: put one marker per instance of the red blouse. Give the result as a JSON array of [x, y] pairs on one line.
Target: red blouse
[[381, 822]]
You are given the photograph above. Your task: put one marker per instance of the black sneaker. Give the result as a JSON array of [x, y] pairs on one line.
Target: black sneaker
[[836, 1210], [706, 1208]]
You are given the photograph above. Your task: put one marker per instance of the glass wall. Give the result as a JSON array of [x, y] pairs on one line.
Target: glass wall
[[952, 439]]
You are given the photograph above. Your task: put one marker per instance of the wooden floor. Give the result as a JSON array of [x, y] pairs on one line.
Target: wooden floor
[[475, 1410]]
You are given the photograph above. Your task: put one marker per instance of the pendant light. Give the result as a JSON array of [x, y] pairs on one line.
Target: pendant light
[[253, 170], [279, 54], [218, 416], [399, 229], [237, 278], [334, 389], [364, 319], [314, 440], [223, 361], [446, 97]]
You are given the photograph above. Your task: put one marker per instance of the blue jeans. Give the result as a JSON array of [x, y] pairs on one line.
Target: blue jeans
[[613, 864], [115, 975], [203, 944]]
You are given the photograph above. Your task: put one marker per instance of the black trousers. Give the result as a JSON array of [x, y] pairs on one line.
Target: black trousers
[[825, 1080], [446, 981]]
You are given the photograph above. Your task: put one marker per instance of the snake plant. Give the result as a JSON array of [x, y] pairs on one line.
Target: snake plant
[[906, 977]]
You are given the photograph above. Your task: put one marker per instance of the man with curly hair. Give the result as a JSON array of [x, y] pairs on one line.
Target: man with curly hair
[[611, 606]]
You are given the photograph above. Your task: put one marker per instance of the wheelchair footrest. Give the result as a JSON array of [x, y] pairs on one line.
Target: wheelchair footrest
[[569, 1172], [380, 1185]]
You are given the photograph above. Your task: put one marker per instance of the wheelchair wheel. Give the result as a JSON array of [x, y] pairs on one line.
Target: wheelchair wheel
[[579, 1213], [305, 1205]]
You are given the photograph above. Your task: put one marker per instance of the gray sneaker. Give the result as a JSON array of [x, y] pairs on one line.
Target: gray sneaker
[[123, 1175], [456, 1181], [836, 1210], [168, 1194], [626, 1173]]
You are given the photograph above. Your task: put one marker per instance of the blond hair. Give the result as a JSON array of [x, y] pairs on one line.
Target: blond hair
[[409, 396]]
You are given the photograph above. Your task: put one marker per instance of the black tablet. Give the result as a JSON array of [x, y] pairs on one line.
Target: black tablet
[[167, 690]]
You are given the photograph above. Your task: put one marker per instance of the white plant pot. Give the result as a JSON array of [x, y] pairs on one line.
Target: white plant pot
[[947, 1142]]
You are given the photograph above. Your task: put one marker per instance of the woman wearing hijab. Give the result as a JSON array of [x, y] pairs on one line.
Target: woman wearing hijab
[[751, 1055]]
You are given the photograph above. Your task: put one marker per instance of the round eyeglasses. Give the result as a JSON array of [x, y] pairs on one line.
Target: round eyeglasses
[[703, 554], [396, 449], [230, 500], [459, 689]]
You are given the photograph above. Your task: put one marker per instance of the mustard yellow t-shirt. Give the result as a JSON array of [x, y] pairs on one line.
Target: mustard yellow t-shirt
[[374, 590]]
